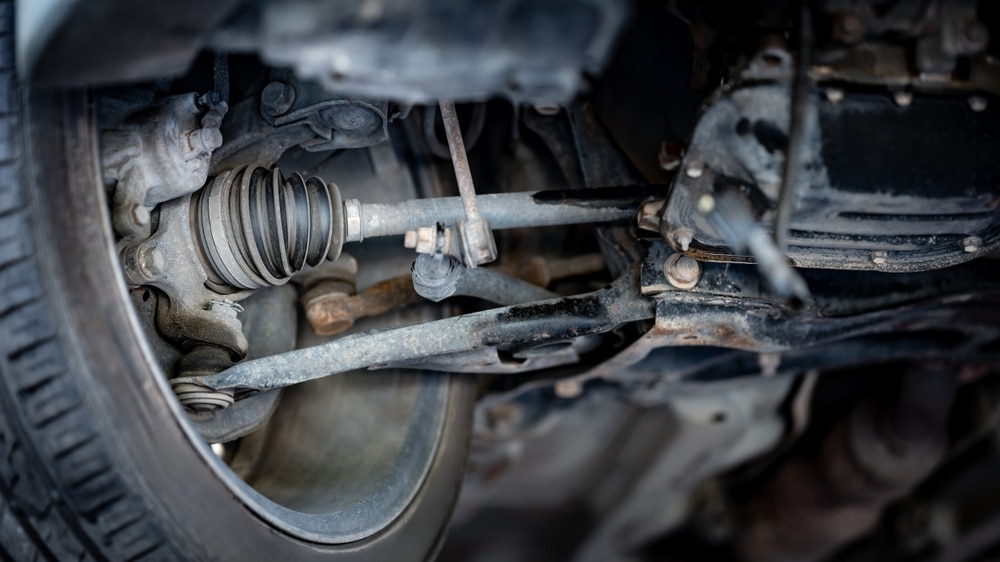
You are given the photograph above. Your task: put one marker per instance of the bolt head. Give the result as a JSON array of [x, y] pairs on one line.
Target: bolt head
[[834, 95], [140, 214], [972, 244], [649, 215], [151, 262], [681, 271], [277, 98], [903, 98], [880, 257], [695, 169]]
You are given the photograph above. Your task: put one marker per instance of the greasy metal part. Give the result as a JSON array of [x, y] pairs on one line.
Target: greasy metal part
[[270, 322], [500, 210], [795, 149], [649, 215], [707, 430], [602, 163], [331, 313], [475, 238], [730, 215], [542, 271], [906, 203], [531, 324], [856, 318], [192, 313], [881, 450], [256, 228], [428, 120], [289, 112], [525, 50], [54, 37], [158, 154], [439, 277], [681, 271], [334, 310]]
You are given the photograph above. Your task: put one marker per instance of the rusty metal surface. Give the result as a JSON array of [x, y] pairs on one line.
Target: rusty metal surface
[[527, 325], [335, 313], [718, 328]]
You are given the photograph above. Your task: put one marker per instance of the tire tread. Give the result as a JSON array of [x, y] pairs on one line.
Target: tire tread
[[61, 496]]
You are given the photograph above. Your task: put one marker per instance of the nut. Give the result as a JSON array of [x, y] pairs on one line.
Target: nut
[[423, 239], [880, 257], [681, 271], [903, 98]]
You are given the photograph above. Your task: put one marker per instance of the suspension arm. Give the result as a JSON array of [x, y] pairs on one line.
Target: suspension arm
[[529, 324]]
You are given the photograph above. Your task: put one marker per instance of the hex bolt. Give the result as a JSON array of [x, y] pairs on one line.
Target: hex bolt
[[151, 261], [880, 257], [903, 98], [834, 95], [695, 169], [649, 215], [203, 141], [423, 240], [972, 244], [978, 103], [143, 263], [140, 215], [681, 271], [277, 98]]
